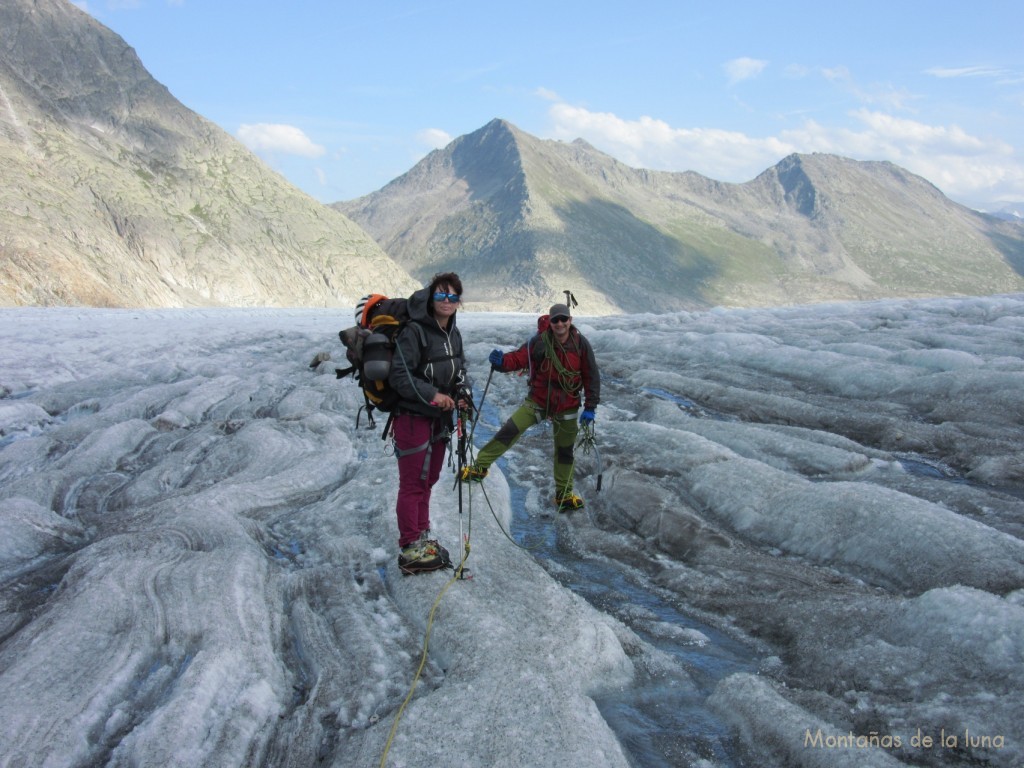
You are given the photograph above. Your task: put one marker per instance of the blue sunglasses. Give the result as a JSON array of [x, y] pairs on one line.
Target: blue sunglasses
[[442, 296]]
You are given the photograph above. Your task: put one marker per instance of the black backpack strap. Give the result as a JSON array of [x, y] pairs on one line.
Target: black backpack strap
[[421, 337], [421, 333], [535, 353]]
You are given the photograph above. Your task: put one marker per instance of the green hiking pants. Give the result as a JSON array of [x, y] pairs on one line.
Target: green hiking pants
[[564, 429]]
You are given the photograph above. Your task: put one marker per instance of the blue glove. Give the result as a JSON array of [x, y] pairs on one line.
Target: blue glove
[[587, 417], [496, 357]]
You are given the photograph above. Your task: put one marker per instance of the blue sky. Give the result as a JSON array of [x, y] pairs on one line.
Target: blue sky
[[342, 97]]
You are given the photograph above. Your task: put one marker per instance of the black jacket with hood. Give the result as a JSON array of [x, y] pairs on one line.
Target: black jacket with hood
[[428, 359]]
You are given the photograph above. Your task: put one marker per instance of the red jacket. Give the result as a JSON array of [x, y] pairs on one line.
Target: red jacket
[[557, 391]]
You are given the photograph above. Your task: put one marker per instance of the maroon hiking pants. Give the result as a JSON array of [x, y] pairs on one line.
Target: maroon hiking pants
[[420, 443]]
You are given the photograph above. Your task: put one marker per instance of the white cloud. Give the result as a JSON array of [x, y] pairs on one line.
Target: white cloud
[[651, 143], [276, 138], [743, 69], [836, 74], [940, 138], [547, 94], [434, 138], [963, 165], [946, 72]]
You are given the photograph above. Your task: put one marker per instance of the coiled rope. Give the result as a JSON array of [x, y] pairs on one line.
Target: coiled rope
[[568, 380]]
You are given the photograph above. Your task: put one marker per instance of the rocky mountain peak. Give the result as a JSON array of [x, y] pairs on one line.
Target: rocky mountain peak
[[73, 66], [116, 194], [798, 188], [489, 160]]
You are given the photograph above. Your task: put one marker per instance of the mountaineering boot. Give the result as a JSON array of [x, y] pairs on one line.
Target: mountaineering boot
[[432, 546], [420, 557], [569, 502], [472, 474]]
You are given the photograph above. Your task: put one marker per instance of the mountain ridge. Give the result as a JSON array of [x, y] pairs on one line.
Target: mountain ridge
[[118, 195], [811, 228]]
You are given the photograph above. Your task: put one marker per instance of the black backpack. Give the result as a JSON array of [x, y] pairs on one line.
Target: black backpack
[[370, 346]]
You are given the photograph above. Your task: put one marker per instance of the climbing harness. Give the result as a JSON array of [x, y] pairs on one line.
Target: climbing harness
[[444, 435]]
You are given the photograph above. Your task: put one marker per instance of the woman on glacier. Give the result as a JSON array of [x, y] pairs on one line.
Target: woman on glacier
[[428, 372]]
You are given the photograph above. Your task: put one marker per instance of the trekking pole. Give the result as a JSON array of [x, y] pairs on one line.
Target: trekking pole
[[461, 462], [480, 408]]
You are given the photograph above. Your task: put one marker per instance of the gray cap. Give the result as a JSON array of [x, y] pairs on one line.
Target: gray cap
[[559, 309]]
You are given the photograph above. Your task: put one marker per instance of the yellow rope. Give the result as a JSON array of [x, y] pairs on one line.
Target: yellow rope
[[426, 637], [437, 602], [419, 671]]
